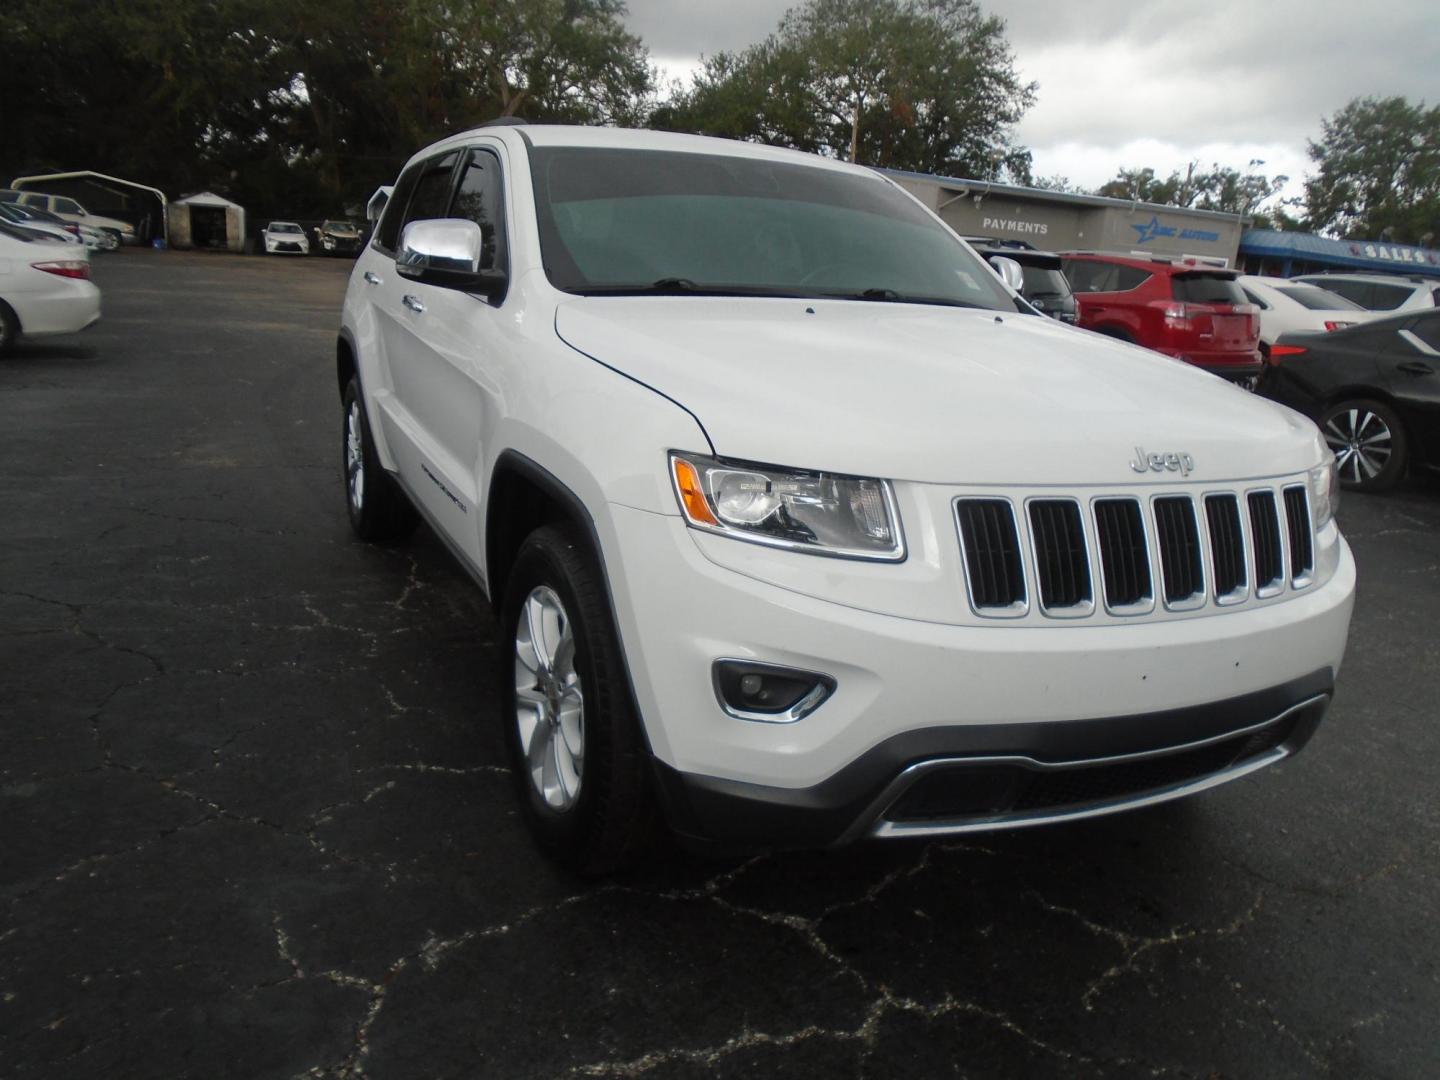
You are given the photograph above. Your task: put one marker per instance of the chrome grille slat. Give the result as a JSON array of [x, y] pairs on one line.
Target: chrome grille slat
[[1297, 524], [1124, 552], [1265, 538], [1181, 567], [1133, 554], [1061, 560], [1227, 546], [992, 554]]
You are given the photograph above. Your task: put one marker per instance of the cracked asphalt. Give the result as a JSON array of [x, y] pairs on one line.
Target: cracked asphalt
[[254, 820]]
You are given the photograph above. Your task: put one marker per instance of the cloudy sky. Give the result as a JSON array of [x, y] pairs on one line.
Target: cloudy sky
[[1157, 83]]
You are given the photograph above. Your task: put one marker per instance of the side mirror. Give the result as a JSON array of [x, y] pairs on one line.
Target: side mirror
[[447, 252], [1008, 271]]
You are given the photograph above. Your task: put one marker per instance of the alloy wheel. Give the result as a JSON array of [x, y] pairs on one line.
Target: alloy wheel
[[549, 699], [1362, 443], [355, 456]]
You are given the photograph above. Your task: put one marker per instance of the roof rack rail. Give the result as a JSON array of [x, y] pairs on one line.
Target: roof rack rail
[[506, 121]]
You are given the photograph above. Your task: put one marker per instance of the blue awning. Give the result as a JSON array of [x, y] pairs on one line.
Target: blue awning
[[1374, 256]]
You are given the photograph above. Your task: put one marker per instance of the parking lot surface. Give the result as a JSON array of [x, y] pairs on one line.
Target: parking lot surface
[[254, 819]]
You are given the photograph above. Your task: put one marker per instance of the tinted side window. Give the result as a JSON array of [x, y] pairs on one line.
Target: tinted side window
[[67, 206], [1427, 329], [1389, 297], [432, 189], [1357, 292], [388, 234], [479, 197], [1088, 277], [1130, 277]]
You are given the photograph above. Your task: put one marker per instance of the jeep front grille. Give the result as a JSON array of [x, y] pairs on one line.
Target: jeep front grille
[[1138, 551]]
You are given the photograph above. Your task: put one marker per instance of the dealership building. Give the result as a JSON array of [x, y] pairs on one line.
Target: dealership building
[[1059, 221]]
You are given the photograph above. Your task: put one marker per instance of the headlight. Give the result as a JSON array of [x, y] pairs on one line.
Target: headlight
[[822, 513], [1324, 492]]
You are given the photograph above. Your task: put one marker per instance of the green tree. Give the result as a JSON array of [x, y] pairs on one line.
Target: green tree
[[1377, 171], [928, 85], [1221, 188], [297, 109]]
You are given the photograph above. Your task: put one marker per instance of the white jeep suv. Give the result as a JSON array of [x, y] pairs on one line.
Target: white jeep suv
[[800, 525]]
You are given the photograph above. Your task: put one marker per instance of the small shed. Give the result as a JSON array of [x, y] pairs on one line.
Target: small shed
[[206, 220]]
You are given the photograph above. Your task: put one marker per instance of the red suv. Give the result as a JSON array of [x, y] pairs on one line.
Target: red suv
[[1194, 313]]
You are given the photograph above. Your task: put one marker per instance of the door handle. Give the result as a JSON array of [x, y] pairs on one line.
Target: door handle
[[1416, 367], [413, 304], [372, 277]]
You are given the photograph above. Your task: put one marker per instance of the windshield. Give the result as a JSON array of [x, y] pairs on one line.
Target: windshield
[[1317, 299], [283, 226], [637, 221]]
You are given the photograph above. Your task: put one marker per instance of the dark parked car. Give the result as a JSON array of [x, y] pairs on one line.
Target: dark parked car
[[1374, 389], [1046, 286]]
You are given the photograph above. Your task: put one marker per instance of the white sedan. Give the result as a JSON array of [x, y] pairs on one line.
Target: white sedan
[[1287, 305], [45, 287], [286, 237]]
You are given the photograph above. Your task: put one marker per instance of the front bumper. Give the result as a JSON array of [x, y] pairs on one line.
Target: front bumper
[[911, 691]]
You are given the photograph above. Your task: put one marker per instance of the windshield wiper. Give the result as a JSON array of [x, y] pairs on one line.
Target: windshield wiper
[[890, 296]]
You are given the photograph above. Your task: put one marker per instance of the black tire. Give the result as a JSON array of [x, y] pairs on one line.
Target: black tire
[[1370, 444], [379, 511], [612, 820], [9, 328]]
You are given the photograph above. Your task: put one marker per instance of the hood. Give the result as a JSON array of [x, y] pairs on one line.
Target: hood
[[932, 394]]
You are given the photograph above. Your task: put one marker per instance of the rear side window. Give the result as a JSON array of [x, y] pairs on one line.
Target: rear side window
[[478, 198], [1316, 299], [1357, 292], [1088, 277], [1389, 297], [1207, 289]]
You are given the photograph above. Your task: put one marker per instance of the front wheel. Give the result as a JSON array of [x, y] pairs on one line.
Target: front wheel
[[1369, 444], [571, 728], [9, 328], [109, 239]]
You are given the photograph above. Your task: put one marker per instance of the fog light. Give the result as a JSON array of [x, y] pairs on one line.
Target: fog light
[[769, 693]]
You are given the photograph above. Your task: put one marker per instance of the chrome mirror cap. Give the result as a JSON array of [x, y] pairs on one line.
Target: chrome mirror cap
[[440, 244], [1008, 271]]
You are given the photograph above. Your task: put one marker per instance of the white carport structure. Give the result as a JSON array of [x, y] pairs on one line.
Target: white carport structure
[[44, 181], [207, 220]]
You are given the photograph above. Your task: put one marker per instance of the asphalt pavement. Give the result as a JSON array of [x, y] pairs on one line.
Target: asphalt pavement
[[254, 819]]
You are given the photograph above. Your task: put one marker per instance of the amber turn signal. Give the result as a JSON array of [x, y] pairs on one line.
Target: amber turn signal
[[692, 496]]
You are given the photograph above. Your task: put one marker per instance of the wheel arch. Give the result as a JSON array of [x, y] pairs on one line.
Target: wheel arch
[[523, 495], [345, 366]]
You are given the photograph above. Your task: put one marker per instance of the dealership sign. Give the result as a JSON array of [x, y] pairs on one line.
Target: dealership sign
[[1394, 253], [1152, 230], [1030, 228]]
